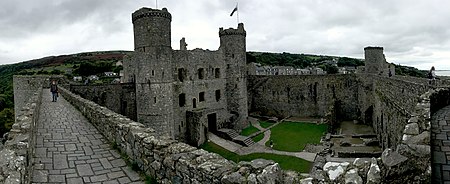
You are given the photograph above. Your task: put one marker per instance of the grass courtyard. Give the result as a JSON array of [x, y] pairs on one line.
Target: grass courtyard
[[286, 162], [293, 136], [249, 130], [265, 124]]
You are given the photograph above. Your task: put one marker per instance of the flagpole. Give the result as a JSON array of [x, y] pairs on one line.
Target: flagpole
[[237, 5], [156, 3]]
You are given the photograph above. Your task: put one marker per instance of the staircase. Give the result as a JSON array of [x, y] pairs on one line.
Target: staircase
[[232, 135], [228, 134], [249, 141]]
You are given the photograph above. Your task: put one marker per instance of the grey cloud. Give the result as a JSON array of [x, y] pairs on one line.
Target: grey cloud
[[301, 26]]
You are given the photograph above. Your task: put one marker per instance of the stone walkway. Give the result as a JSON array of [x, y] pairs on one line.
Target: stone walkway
[[440, 142], [70, 150]]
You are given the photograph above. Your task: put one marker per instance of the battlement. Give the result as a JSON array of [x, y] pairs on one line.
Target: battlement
[[231, 31], [149, 12], [373, 48]]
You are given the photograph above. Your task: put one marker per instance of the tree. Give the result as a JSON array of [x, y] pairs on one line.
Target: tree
[[330, 69], [6, 120], [56, 72]]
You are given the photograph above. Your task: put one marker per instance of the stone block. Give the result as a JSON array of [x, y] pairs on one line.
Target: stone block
[[374, 173], [391, 158], [352, 177], [423, 138], [335, 169], [411, 129], [271, 174]]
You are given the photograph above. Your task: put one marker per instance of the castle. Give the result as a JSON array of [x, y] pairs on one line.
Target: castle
[[184, 93]]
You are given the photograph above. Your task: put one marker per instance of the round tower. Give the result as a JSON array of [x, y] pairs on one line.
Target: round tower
[[151, 29], [374, 60], [233, 48], [233, 40]]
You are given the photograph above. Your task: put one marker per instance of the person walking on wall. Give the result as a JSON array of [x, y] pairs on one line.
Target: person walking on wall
[[432, 75], [54, 90]]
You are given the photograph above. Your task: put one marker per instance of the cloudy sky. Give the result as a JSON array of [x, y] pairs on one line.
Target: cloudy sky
[[412, 32]]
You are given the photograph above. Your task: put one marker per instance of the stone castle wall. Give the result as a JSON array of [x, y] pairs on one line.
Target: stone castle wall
[[304, 96], [392, 102], [170, 161], [386, 103], [120, 98], [173, 83], [16, 156]]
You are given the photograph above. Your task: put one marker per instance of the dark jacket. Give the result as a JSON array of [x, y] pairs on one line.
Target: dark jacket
[[53, 88]]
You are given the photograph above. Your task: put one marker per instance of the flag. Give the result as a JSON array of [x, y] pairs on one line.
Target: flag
[[234, 10]]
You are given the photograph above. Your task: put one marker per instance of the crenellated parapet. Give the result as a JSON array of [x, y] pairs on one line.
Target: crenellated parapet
[[231, 31], [148, 12]]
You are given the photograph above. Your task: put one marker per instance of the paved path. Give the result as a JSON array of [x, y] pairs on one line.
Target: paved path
[[440, 142], [255, 123], [257, 148], [70, 150]]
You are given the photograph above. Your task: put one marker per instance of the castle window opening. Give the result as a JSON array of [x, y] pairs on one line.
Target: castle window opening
[[153, 72], [201, 73], [217, 95], [201, 96], [181, 73], [182, 99], [154, 99], [217, 73], [194, 103]]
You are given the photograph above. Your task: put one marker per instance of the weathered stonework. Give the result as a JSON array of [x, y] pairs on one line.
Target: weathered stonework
[[170, 161], [120, 98], [16, 157], [172, 85]]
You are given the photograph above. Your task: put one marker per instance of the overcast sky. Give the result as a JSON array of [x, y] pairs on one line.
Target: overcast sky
[[412, 32]]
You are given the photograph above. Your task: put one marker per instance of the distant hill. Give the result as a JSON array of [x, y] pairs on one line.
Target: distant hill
[[90, 63]]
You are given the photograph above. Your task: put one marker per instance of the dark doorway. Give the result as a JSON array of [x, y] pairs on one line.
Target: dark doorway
[[368, 116], [212, 122], [123, 108]]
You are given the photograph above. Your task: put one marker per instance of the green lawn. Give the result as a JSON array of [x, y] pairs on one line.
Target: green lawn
[[286, 162], [265, 124], [249, 130], [258, 137], [293, 136]]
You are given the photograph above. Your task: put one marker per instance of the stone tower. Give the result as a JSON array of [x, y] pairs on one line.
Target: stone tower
[[375, 61], [151, 29], [151, 66], [233, 49]]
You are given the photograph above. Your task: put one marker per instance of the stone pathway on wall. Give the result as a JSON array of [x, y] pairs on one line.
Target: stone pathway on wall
[[70, 150], [440, 128]]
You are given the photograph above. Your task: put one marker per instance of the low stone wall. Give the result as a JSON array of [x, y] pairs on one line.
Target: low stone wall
[[440, 99], [120, 98], [170, 161], [16, 157]]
